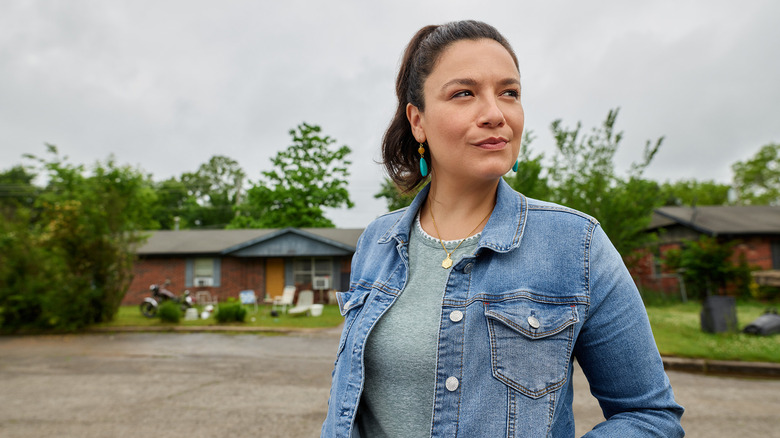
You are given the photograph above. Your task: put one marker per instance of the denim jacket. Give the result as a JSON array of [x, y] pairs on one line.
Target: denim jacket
[[543, 286]]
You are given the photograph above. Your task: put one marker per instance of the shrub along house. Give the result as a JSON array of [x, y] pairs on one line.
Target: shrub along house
[[225, 262], [755, 230]]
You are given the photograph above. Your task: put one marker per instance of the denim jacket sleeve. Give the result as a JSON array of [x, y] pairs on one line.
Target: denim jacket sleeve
[[617, 353]]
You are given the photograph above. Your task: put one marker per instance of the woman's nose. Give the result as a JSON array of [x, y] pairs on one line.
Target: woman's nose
[[491, 114]]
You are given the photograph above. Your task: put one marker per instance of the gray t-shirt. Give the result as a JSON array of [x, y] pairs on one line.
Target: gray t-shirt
[[400, 354]]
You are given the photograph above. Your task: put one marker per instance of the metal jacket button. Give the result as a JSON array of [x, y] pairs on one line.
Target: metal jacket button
[[533, 322], [456, 316], [467, 269], [452, 383]]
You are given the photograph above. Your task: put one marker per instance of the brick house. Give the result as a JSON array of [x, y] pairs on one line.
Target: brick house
[[756, 230], [225, 262]]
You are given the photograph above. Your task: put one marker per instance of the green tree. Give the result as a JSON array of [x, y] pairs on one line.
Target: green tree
[[174, 201], [691, 192], [307, 176], [214, 191], [757, 179], [582, 176], [72, 265], [16, 189]]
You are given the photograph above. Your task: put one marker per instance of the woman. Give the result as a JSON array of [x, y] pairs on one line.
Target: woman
[[466, 309]]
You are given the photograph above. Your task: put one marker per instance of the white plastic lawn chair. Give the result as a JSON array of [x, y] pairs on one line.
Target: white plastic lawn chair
[[248, 297], [203, 298], [285, 299], [305, 301]]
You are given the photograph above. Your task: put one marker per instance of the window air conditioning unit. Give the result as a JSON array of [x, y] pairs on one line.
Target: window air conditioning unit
[[203, 281], [321, 283]]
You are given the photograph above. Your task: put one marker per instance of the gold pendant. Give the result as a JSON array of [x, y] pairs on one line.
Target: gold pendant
[[447, 262]]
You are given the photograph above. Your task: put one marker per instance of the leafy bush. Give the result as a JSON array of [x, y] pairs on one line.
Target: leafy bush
[[763, 292], [230, 311], [67, 250], [35, 291], [169, 312], [742, 277], [708, 268]]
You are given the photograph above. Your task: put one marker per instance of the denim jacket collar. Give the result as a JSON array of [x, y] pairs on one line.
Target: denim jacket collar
[[502, 233]]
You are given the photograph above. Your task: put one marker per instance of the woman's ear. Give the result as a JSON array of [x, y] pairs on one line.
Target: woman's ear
[[414, 116]]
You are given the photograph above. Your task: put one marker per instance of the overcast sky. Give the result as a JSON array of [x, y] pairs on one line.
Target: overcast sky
[[165, 85]]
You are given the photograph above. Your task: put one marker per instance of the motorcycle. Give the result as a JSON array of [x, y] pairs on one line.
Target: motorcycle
[[150, 304]]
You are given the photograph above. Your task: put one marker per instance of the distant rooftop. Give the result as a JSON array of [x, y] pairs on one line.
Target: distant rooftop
[[717, 220], [227, 241]]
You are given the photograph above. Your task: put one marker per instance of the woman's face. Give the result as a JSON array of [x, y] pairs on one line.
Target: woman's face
[[473, 118]]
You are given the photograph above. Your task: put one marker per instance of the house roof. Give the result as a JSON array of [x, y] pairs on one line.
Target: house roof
[[246, 242], [718, 220]]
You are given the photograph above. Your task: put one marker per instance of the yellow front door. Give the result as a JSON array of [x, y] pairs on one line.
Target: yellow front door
[[274, 277]]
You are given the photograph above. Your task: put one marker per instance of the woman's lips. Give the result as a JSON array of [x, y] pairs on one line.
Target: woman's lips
[[492, 143]]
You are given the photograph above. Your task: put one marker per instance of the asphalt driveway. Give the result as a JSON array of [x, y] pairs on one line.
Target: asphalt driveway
[[218, 385]]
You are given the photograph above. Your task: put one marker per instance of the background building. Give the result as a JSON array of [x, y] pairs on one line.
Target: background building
[[755, 230], [225, 262]]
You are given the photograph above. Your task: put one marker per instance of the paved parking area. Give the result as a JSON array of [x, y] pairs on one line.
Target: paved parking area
[[217, 385]]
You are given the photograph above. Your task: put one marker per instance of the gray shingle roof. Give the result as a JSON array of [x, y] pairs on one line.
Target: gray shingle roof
[[721, 219], [219, 241]]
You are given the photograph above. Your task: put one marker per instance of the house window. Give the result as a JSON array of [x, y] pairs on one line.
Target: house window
[[658, 266], [306, 270], [776, 255], [203, 272]]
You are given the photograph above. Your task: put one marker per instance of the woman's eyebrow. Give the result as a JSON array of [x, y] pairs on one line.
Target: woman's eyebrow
[[510, 81], [460, 81], [471, 82]]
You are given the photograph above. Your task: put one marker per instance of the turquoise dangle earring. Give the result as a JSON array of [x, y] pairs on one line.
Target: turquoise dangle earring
[[423, 164], [515, 166]]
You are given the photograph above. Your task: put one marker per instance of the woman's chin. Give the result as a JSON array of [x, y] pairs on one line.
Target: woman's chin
[[493, 171], [488, 175]]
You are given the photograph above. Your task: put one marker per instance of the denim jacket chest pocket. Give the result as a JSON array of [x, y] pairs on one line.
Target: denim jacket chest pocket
[[531, 343]]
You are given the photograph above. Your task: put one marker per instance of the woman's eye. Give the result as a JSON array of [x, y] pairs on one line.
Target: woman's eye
[[512, 93]]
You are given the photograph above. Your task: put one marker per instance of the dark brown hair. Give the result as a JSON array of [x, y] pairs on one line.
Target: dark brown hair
[[399, 147]]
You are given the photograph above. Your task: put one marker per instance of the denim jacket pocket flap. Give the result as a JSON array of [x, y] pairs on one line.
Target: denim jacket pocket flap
[[350, 304], [351, 299], [530, 344], [532, 319]]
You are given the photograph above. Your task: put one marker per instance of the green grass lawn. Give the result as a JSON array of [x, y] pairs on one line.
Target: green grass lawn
[[677, 331], [676, 328], [131, 316]]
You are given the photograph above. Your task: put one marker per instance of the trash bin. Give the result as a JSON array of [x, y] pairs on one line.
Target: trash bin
[[316, 309], [719, 314], [764, 325], [191, 314]]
